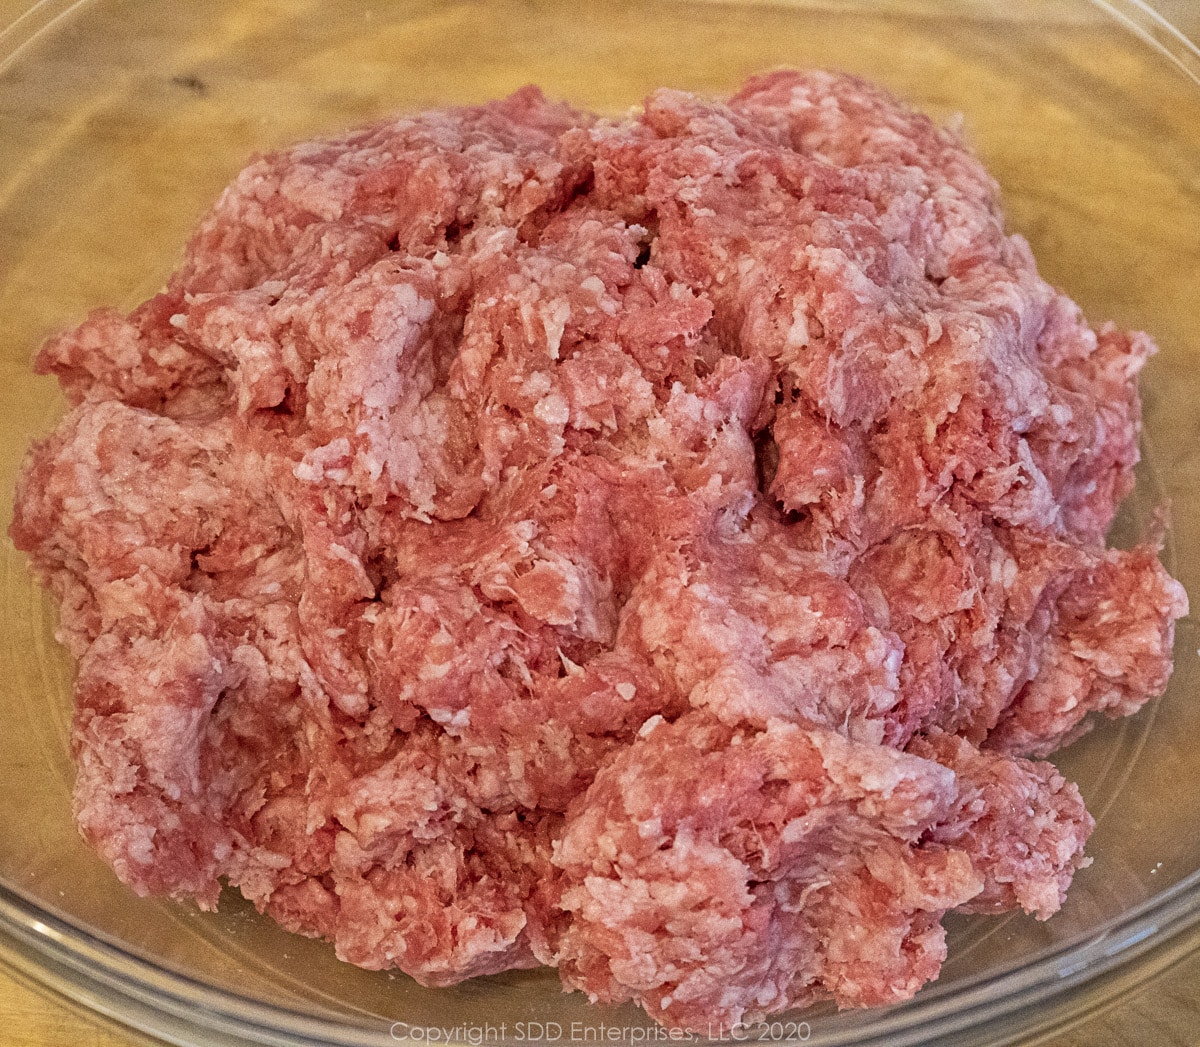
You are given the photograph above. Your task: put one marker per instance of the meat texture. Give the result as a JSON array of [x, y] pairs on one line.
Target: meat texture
[[649, 548]]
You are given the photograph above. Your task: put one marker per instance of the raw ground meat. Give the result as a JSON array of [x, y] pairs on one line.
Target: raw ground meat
[[645, 547]]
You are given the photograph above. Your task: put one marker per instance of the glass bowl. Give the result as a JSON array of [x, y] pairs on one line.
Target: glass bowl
[[119, 123]]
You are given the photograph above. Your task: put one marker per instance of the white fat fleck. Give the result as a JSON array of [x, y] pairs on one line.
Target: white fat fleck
[[795, 830], [179, 321], [537, 384], [307, 472], [651, 828], [550, 490], [571, 667], [1061, 413], [552, 409], [626, 691], [434, 671], [525, 531], [555, 322], [810, 889], [141, 848], [649, 726], [931, 423], [593, 284], [933, 329], [797, 336]]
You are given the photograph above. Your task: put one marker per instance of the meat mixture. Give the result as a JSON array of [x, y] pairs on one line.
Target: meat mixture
[[662, 549]]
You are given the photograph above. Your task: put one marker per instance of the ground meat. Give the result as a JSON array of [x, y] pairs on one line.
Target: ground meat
[[648, 548]]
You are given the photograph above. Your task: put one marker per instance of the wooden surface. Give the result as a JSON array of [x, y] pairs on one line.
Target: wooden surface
[[1167, 1012]]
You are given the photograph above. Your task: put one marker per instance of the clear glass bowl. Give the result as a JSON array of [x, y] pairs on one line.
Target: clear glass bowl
[[120, 121]]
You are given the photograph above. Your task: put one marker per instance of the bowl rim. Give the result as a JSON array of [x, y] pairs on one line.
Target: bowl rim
[[107, 976]]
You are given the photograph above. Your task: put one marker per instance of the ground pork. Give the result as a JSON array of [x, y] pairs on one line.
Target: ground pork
[[645, 547]]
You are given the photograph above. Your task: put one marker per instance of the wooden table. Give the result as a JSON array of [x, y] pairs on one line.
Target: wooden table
[[1167, 1012]]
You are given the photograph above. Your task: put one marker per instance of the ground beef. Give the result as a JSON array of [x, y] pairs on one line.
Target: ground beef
[[647, 547]]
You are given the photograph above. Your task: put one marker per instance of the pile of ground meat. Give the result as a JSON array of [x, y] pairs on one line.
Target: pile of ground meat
[[650, 548]]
